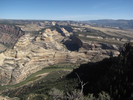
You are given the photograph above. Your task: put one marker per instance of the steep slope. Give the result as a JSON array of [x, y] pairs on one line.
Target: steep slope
[[2, 47], [31, 53], [9, 34], [113, 75]]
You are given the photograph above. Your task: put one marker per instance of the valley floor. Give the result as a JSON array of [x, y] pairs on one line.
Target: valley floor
[[40, 74]]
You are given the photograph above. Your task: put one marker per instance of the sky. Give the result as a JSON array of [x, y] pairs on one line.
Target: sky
[[78, 10]]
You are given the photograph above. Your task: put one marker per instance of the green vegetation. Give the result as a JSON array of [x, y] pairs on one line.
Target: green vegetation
[[110, 78], [41, 88], [44, 70], [55, 72], [102, 40], [55, 85], [76, 95], [93, 32]]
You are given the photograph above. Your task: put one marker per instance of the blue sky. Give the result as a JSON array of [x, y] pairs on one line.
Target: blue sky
[[66, 9]]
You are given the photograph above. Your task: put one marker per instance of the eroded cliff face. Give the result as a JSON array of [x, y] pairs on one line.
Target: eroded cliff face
[[9, 34], [32, 53]]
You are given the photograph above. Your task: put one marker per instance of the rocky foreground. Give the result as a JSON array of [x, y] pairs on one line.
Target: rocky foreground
[[31, 53]]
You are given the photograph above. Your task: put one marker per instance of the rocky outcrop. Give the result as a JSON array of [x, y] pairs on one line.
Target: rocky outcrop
[[32, 53], [9, 34]]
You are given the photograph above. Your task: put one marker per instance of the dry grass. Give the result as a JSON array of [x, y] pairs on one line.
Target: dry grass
[[113, 32], [102, 41]]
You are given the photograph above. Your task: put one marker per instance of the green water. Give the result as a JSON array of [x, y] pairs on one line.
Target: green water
[[45, 70]]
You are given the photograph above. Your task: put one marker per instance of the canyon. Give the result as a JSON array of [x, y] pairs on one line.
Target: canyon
[[30, 49], [10, 33], [32, 53]]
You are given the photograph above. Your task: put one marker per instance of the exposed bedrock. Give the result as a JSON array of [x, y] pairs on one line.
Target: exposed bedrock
[[32, 53]]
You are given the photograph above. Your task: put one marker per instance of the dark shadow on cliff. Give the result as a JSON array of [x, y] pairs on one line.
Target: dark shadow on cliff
[[73, 43], [72, 47], [113, 75]]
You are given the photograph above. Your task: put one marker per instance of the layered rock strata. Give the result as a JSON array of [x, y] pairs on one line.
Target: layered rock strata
[[32, 53], [9, 34]]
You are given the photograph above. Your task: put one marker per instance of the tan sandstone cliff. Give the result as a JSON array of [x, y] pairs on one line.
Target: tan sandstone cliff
[[32, 53]]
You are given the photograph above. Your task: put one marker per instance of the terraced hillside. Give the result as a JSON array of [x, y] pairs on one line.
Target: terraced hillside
[[104, 34], [108, 79], [37, 45], [9, 34]]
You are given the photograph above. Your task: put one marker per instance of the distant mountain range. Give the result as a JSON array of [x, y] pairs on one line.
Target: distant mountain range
[[34, 46], [121, 24]]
